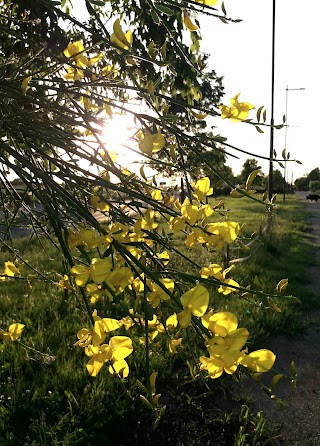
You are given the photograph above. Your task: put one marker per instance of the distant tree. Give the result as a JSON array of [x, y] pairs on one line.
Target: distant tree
[[278, 181], [314, 186], [303, 183], [314, 175], [249, 166]]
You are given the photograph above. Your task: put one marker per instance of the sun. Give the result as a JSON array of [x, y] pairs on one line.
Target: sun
[[118, 140]]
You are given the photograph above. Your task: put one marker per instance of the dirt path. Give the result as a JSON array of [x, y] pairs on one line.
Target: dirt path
[[299, 423]]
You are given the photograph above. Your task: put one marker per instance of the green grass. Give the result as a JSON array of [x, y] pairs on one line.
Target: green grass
[[47, 396]]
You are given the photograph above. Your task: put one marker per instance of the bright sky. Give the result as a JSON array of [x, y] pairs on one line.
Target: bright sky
[[241, 53]]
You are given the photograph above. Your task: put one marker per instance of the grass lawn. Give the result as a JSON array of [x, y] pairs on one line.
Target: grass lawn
[[47, 396]]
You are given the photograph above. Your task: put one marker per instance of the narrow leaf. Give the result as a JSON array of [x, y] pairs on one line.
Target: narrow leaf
[[275, 380], [251, 178], [264, 116], [259, 129], [259, 113], [155, 17], [142, 173], [165, 10]]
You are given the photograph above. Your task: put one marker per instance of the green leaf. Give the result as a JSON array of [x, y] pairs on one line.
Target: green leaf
[[173, 153], [224, 21], [219, 138], [259, 113], [141, 386], [298, 162], [293, 369], [146, 402], [142, 173], [251, 178], [264, 115], [281, 164], [163, 50], [275, 380], [98, 2], [283, 154], [155, 17], [223, 8], [259, 129], [288, 156], [274, 153], [165, 10]]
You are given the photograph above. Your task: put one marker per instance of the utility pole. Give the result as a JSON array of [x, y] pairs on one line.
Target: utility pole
[[285, 141], [270, 182]]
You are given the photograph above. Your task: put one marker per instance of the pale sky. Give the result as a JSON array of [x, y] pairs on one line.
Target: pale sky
[[241, 53]]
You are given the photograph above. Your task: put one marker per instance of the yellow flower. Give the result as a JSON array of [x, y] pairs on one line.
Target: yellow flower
[[225, 347], [195, 302], [73, 73], [116, 351], [97, 334], [259, 361], [188, 22], [95, 292], [156, 194], [157, 293], [197, 236], [13, 334], [238, 110], [10, 269], [202, 189], [119, 38], [64, 283], [154, 325], [220, 323], [215, 270], [173, 344], [98, 271], [147, 222], [215, 365], [224, 232], [118, 231], [233, 341], [25, 84], [177, 223], [172, 322], [119, 279], [163, 257], [205, 211], [190, 212], [98, 204], [152, 143]]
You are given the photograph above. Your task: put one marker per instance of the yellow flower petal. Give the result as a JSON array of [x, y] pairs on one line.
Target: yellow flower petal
[[196, 300]]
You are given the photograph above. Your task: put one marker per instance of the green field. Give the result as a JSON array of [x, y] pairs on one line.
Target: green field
[[47, 396]]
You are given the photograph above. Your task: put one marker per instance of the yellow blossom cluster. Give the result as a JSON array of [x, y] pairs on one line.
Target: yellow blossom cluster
[[226, 347], [114, 352], [238, 111]]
